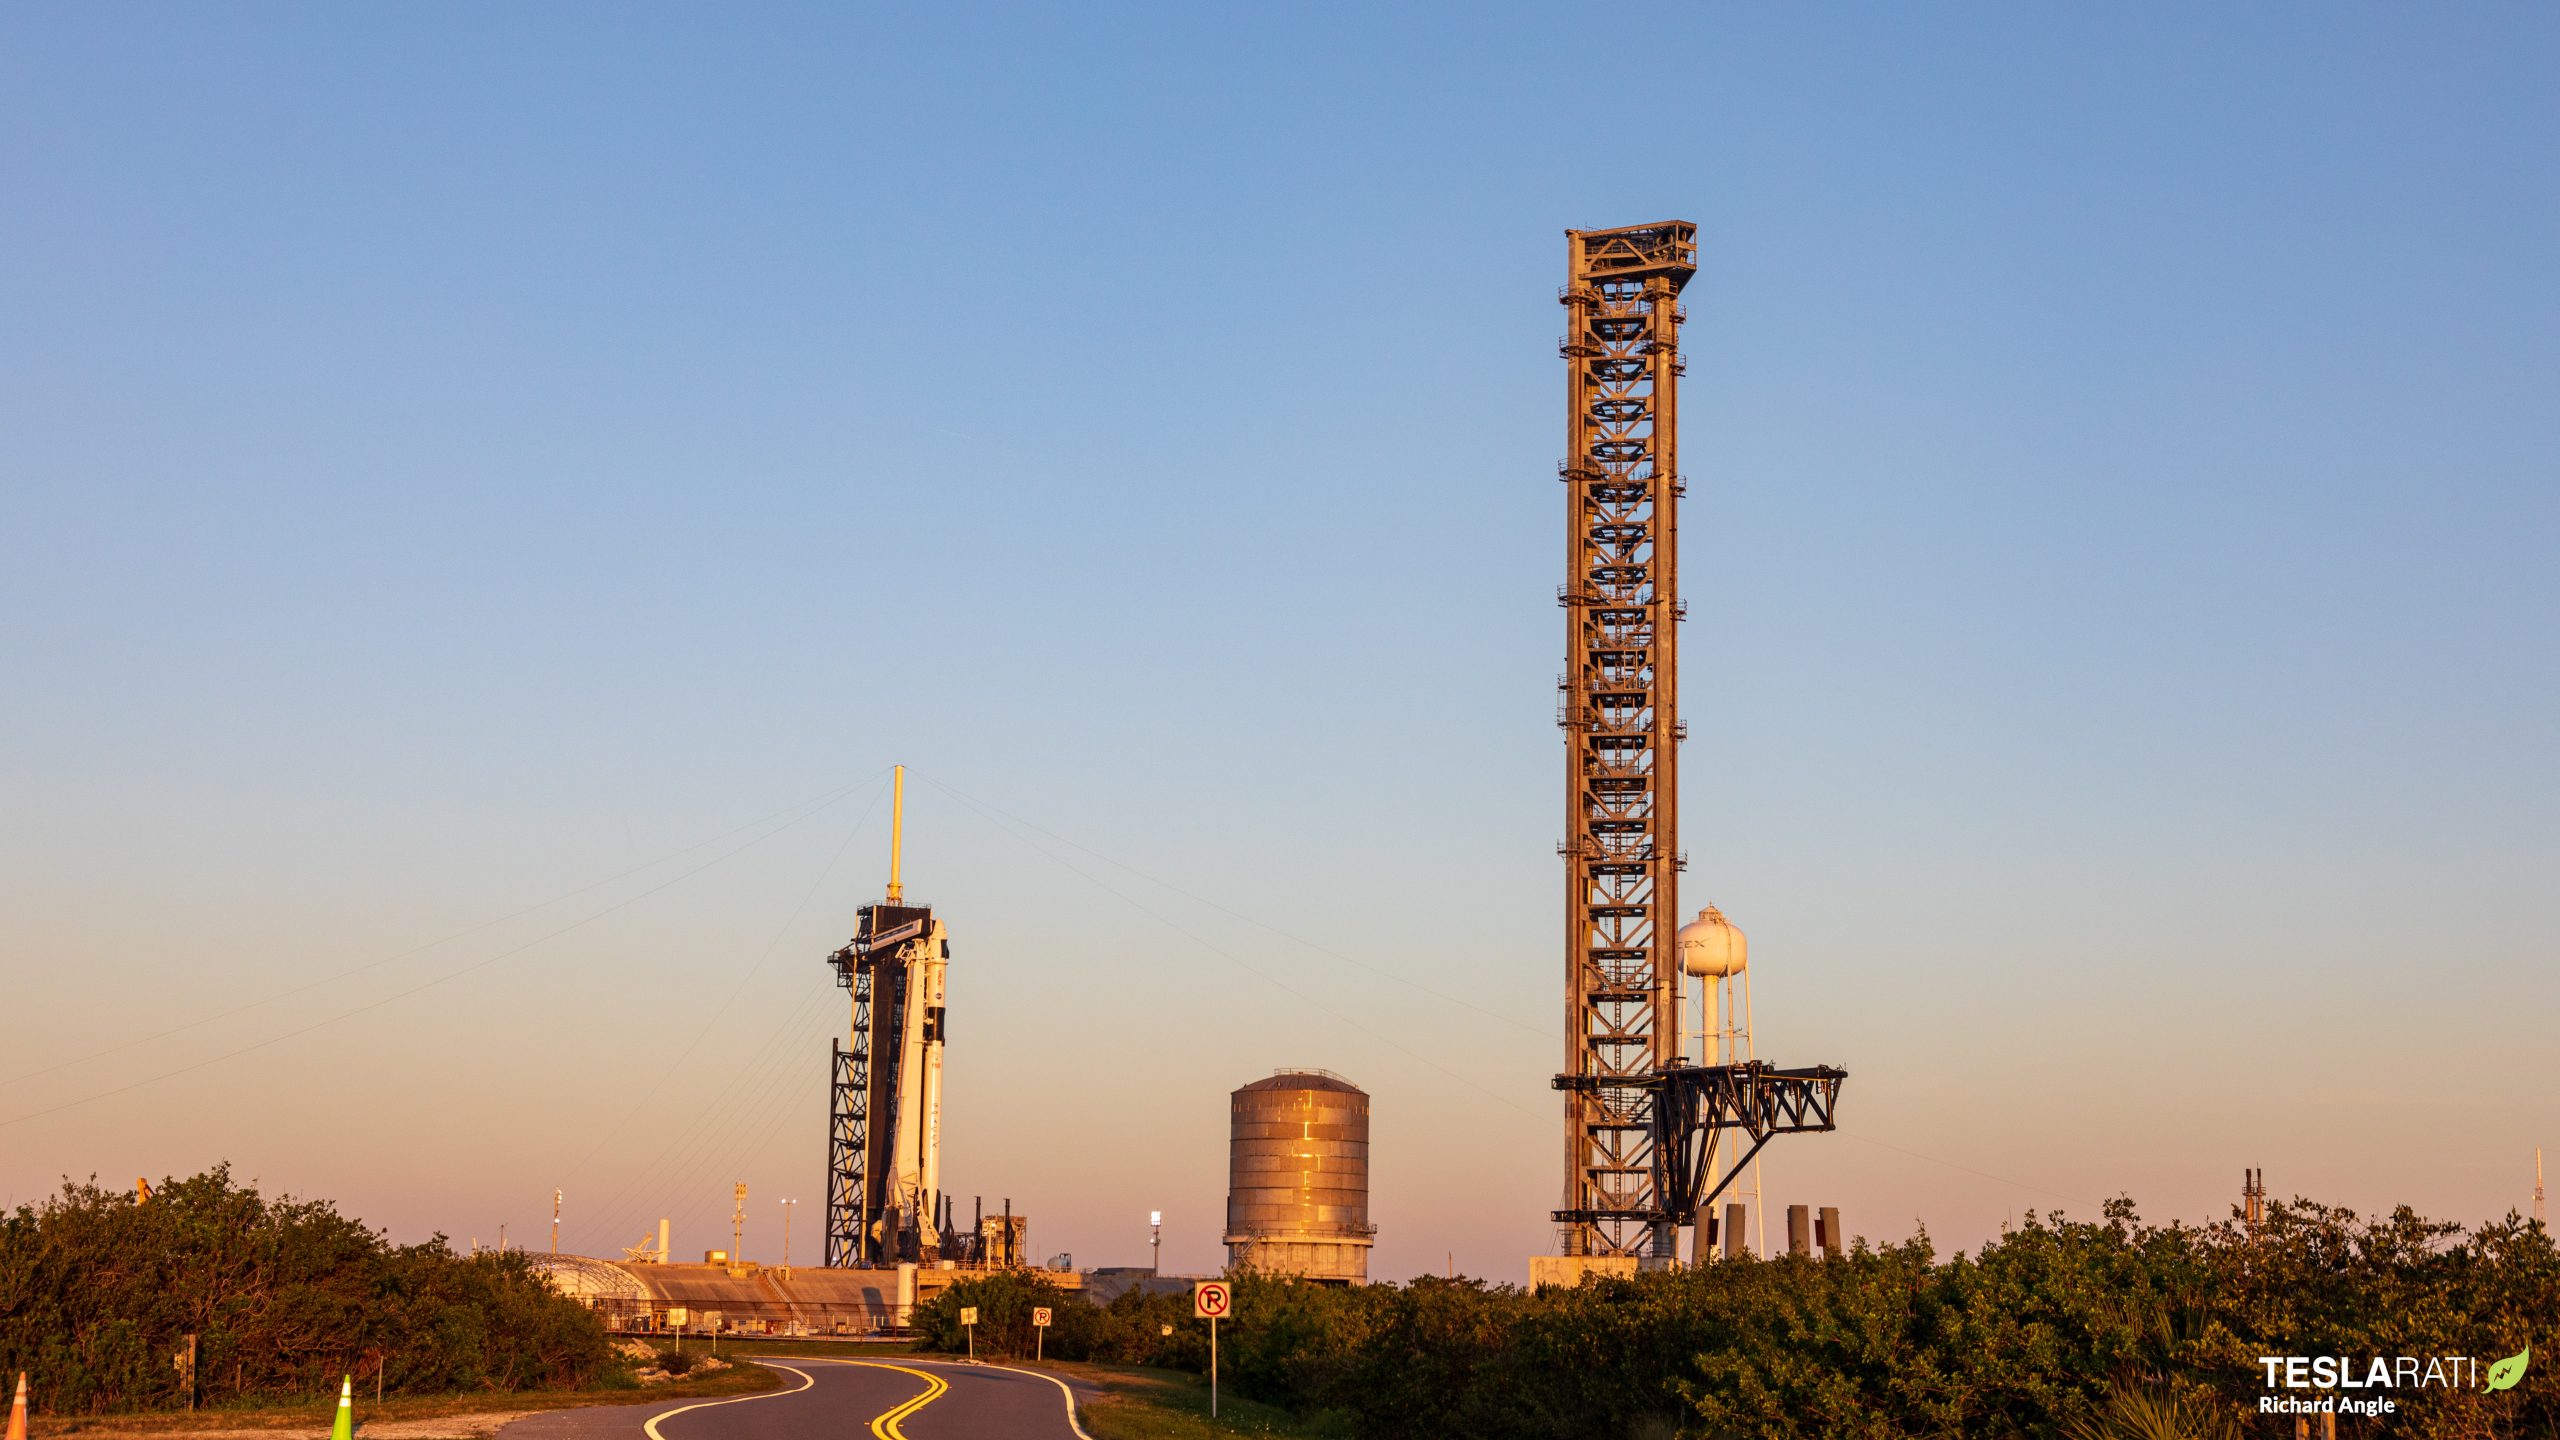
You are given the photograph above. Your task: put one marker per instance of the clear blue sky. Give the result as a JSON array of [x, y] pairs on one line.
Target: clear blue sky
[[456, 455]]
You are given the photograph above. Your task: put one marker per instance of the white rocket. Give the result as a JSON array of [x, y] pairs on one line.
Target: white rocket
[[907, 982], [916, 1164]]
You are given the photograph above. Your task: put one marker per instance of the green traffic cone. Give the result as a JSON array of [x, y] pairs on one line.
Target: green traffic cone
[[345, 1429]]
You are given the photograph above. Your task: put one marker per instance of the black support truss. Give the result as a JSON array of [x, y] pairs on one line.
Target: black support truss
[[848, 1136], [1692, 1105]]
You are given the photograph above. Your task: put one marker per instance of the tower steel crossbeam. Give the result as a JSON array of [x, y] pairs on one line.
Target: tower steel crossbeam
[[848, 1134], [1618, 707]]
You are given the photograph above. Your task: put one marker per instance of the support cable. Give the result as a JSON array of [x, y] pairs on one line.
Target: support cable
[[1233, 959], [819, 801], [748, 972], [419, 989], [685, 1152], [1542, 1032]]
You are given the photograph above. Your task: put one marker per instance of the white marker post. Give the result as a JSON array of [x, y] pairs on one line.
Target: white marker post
[[1039, 1333], [1211, 1299], [969, 1320]]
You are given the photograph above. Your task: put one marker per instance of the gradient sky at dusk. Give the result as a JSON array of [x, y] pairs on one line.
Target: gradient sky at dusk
[[458, 458]]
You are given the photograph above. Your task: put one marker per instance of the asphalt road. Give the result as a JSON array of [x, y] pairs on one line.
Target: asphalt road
[[893, 1398]]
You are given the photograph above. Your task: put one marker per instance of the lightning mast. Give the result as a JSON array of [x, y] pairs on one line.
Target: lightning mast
[[884, 1137]]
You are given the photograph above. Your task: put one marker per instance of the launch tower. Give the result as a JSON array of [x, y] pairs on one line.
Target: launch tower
[[884, 1132], [1640, 1123], [1620, 713]]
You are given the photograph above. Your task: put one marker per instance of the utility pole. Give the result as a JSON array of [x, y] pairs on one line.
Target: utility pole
[[738, 1227], [786, 1232], [555, 1220], [2541, 1214]]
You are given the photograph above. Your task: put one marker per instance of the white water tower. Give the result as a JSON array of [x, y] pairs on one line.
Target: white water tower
[[1714, 951]]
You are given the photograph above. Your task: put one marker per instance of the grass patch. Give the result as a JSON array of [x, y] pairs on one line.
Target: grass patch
[[1172, 1405]]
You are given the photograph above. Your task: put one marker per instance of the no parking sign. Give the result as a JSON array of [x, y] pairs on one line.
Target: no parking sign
[[1212, 1301]]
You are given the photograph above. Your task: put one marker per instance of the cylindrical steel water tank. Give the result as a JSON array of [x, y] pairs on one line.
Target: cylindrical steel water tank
[[1298, 1177]]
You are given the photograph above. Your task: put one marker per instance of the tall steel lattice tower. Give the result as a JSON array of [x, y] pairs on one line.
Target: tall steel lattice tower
[[884, 1117], [1619, 708]]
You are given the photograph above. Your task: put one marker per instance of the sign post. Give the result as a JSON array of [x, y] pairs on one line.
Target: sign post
[[1039, 1333], [969, 1321], [1211, 1299]]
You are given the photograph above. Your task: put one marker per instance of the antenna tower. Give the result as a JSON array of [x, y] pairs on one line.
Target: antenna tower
[[2541, 1212]]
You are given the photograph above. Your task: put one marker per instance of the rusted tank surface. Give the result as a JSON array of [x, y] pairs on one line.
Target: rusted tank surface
[[1298, 1177]]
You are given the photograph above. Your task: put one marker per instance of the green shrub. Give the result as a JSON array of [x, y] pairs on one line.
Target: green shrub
[[98, 1292], [1004, 1300], [2107, 1328]]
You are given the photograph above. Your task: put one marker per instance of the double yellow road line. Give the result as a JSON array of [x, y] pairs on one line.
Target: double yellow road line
[[884, 1426]]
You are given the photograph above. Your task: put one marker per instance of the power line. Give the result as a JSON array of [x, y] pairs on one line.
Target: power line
[[1542, 1032], [688, 1146], [820, 800], [1231, 958], [869, 809], [996, 811], [443, 979]]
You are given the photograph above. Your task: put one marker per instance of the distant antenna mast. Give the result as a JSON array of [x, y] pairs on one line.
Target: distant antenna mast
[[897, 830], [2541, 1211], [738, 1228], [555, 1220]]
